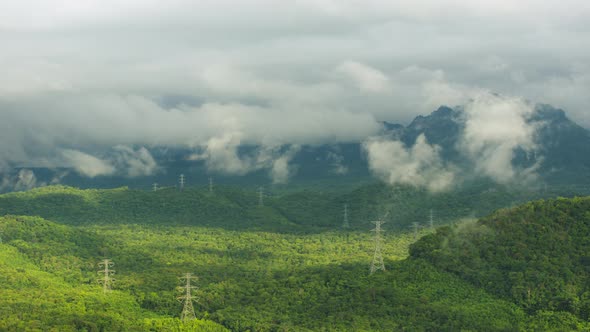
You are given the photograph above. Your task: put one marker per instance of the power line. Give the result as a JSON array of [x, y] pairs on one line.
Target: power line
[[188, 311], [377, 263], [106, 273]]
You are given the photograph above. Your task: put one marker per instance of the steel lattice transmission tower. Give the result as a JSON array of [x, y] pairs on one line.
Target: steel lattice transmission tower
[[210, 184], [415, 226], [155, 186], [345, 223], [188, 311], [377, 263], [106, 274], [431, 221], [181, 180]]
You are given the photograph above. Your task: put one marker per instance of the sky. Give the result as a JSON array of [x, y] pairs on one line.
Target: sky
[[94, 75]]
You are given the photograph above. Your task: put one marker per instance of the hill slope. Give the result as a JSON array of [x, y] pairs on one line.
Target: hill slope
[[237, 209], [536, 255], [48, 281], [519, 269], [248, 281]]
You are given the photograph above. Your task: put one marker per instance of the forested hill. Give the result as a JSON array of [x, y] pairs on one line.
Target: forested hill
[[536, 255], [238, 209], [519, 269]]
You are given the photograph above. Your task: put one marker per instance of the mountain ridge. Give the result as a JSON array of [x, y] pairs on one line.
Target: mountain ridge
[[562, 156]]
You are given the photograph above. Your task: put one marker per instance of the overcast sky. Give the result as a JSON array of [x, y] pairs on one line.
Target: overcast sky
[[104, 73]]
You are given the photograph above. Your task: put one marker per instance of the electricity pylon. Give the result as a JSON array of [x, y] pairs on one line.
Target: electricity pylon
[[155, 186], [188, 311], [181, 180], [345, 223], [260, 196], [415, 226], [106, 278], [377, 263], [210, 184], [431, 221]]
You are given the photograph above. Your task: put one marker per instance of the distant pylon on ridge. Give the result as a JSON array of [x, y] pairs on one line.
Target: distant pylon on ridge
[[415, 226], [345, 223], [155, 186], [181, 180], [377, 263]]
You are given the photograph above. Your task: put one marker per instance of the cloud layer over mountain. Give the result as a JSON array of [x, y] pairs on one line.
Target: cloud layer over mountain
[[92, 84]]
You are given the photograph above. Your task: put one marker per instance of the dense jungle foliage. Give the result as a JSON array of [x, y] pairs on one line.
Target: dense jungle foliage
[[237, 209], [536, 255], [287, 265]]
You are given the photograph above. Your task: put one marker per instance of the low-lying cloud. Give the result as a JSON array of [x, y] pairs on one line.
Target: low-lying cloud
[[95, 77], [24, 179], [86, 164], [337, 163], [495, 127], [95, 135], [223, 155], [419, 165], [121, 160]]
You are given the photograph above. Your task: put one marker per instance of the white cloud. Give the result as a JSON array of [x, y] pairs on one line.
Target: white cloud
[[495, 126], [365, 77], [85, 75], [25, 179], [103, 122], [222, 155], [337, 163], [120, 160], [419, 165], [281, 169], [134, 163], [86, 164]]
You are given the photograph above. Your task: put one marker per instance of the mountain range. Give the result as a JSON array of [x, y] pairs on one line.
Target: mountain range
[[559, 156]]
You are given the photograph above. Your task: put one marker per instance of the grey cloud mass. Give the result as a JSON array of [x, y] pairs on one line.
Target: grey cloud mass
[[85, 76]]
